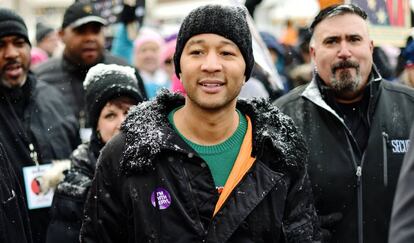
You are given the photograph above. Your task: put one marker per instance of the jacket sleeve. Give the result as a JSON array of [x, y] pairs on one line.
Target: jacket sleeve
[[104, 217], [66, 215], [69, 199], [14, 219], [402, 219], [301, 222]]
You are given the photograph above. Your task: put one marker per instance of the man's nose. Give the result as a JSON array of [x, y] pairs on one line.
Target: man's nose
[[344, 51], [212, 63], [10, 52]]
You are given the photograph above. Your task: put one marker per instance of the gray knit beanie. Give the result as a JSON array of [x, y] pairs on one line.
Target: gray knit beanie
[[227, 21]]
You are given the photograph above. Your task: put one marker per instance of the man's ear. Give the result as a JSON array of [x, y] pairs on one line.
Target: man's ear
[[312, 52]]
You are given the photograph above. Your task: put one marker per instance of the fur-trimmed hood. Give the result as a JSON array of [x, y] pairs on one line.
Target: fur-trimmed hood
[[148, 132]]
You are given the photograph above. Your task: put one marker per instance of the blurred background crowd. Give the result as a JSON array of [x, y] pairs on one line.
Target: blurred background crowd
[[66, 42], [143, 34]]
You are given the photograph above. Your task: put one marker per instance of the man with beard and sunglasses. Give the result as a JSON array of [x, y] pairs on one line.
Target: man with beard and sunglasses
[[36, 127], [82, 32], [356, 125]]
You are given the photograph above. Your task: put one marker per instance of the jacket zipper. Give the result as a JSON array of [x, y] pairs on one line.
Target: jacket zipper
[[358, 168], [385, 157], [358, 173], [190, 189], [360, 205]]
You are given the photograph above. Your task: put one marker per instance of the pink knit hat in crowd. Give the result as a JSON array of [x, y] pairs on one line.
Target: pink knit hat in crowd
[[37, 56], [148, 35], [168, 51]]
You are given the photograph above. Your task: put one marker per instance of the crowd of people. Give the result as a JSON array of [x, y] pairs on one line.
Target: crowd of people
[[181, 138]]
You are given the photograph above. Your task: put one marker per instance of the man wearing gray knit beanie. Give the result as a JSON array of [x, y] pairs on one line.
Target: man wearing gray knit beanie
[[206, 167]]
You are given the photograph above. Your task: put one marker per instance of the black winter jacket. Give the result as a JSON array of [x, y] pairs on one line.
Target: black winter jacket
[[359, 185], [150, 186], [36, 114], [68, 78], [14, 221], [70, 195]]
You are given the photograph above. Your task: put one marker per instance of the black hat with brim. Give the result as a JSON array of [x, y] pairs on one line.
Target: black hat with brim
[[79, 14]]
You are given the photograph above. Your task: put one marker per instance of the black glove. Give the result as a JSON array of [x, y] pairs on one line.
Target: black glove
[[326, 222]]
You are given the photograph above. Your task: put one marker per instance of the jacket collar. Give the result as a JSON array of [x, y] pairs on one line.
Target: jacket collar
[[148, 132], [313, 91], [23, 93]]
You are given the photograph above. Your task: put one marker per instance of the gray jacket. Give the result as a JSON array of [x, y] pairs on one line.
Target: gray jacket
[[402, 219]]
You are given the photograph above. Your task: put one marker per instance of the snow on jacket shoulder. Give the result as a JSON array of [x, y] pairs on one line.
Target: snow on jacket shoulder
[[150, 186]]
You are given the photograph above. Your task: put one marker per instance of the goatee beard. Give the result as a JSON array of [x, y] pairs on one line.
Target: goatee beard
[[345, 83]]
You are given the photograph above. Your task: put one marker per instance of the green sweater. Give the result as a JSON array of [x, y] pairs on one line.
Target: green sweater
[[220, 158]]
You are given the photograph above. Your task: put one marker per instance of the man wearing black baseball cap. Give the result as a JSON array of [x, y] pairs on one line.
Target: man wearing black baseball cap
[[83, 36], [79, 14]]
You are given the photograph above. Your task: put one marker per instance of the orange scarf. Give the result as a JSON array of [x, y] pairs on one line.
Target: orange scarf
[[242, 164]]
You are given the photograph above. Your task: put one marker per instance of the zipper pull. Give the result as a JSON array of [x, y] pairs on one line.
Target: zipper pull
[[358, 174], [359, 171], [33, 154]]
